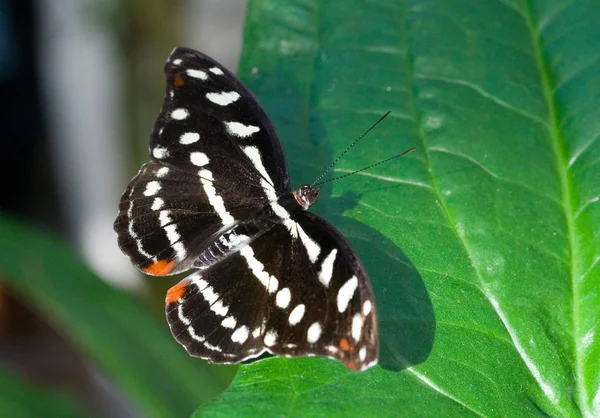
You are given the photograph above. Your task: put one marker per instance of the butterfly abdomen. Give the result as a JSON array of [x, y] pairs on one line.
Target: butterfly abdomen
[[223, 245]]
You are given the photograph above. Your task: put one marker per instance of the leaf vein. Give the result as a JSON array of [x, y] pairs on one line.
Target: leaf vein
[[486, 95]]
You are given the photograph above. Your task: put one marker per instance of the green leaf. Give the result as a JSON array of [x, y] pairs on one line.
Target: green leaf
[[19, 398], [115, 330], [483, 246]]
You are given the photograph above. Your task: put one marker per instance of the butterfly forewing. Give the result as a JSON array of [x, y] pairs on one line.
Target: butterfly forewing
[[214, 151], [160, 214], [215, 197], [207, 108]]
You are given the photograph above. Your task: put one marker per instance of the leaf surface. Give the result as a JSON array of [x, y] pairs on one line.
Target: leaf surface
[[483, 246]]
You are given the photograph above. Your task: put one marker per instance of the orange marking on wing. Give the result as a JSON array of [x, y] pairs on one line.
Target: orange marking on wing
[[344, 344], [176, 292], [160, 268], [178, 80], [351, 365]]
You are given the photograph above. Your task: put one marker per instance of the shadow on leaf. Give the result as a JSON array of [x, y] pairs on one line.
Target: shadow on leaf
[[405, 312]]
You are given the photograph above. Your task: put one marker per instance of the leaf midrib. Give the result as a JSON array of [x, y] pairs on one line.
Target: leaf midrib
[[562, 165], [557, 143]]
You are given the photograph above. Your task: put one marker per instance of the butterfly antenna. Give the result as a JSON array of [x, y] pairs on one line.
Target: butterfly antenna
[[349, 147], [366, 168]]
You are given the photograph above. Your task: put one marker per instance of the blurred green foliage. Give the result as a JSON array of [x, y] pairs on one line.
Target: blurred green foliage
[[113, 329]]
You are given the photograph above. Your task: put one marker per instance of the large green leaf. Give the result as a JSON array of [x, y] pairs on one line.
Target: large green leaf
[[112, 328], [483, 245]]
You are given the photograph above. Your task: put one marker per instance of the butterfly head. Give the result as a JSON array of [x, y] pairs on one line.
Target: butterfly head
[[306, 195]]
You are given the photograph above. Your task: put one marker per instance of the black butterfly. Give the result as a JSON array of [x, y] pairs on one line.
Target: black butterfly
[[216, 197]]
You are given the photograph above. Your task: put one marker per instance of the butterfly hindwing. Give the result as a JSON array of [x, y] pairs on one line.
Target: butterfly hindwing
[[296, 291], [160, 210]]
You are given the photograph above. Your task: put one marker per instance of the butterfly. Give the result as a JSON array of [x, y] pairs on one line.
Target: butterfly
[[215, 198]]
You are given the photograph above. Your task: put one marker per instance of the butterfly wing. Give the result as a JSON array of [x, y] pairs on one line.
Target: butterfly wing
[[292, 291], [216, 160], [207, 109]]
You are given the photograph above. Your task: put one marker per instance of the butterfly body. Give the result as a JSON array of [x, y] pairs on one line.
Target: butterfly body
[[216, 197], [231, 239]]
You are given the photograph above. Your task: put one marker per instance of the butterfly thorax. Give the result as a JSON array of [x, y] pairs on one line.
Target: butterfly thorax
[[232, 239]]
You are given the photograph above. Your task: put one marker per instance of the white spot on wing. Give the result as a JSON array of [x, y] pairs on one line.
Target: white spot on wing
[[189, 138], [346, 292], [160, 152], [258, 269], [270, 338], [312, 248], [266, 182], [254, 154], [152, 187], [332, 349], [362, 353], [219, 308], [161, 172], [209, 294], [273, 285], [199, 282], [292, 226], [179, 248], [197, 74], [177, 61], [181, 316], [164, 217], [180, 114], [297, 314], [172, 234], [283, 298], [193, 334], [229, 322], [223, 99], [215, 200], [366, 308], [280, 211], [199, 159], [256, 332], [212, 347], [216, 70], [241, 130], [357, 323], [133, 234], [157, 204], [240, 335], [314, 333], [327, 268]]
